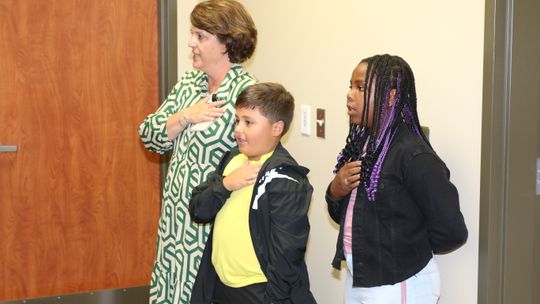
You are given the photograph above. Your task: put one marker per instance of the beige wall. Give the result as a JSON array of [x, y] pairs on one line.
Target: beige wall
[[312, 46]]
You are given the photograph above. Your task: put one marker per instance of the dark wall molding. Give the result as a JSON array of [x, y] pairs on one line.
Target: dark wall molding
[[133, 295], [168, 59], [496, 92]]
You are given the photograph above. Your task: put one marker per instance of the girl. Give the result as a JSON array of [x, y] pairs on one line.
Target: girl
[[391, 193]]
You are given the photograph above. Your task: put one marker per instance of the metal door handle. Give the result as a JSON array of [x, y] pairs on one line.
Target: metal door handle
[[8, 149]]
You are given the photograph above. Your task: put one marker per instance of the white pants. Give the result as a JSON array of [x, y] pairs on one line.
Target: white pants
[[422, 288]]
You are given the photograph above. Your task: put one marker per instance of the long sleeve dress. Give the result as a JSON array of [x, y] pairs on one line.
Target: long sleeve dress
[[180, 241]]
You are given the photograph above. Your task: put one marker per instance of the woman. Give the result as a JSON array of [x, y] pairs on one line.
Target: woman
[[391, 195], [196, 121]]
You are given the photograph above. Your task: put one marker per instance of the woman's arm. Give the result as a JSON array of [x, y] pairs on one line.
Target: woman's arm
[[153, 129], [199, 112], [159, 129]]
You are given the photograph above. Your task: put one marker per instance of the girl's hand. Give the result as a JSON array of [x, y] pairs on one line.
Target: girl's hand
[[347, 178]]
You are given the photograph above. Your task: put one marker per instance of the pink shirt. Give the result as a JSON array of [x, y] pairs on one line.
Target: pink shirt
[[347, 230]]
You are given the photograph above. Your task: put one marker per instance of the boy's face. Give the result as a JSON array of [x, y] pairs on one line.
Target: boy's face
[[255, 134]]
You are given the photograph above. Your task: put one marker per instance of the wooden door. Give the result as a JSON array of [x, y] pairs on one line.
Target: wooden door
[[79, 200]]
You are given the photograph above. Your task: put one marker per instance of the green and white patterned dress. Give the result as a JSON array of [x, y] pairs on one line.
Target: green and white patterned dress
[[180, 241]]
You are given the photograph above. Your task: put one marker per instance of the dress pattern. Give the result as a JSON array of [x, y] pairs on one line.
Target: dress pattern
[[180, 242]]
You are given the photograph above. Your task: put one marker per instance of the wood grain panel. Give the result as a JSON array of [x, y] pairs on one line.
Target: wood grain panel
[[79, 201]]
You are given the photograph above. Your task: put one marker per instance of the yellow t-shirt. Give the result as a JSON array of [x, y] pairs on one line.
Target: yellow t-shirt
[[233, 255]]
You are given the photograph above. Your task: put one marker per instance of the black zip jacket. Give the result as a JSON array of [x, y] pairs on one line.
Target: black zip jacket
[[278, 224], [415, 214]]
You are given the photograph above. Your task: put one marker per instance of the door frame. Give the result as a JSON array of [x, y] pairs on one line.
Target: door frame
[[507, 206], [493, 152], [168, 61]]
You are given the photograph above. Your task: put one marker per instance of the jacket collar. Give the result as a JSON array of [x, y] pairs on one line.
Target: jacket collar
[[280, 158]]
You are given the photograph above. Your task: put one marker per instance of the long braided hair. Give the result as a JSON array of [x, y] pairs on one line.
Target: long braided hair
[[370, 145]]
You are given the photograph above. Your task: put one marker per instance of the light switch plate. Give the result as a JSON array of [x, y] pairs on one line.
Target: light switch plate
[[305, 120], [320, 123]]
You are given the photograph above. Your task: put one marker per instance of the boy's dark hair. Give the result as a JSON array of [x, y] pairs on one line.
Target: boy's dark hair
[[384, 73], [271, 99]]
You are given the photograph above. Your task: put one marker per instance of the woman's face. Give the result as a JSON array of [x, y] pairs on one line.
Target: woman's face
[[207, 51], [355, 97]]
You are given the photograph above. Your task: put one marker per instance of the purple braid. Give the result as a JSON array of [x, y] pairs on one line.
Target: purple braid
[[371, 185], [371, 188]]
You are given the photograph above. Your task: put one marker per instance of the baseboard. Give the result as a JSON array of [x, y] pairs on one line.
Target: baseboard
[[132, 295]]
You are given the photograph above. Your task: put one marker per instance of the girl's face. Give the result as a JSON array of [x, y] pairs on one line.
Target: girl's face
[[207, 50], [355, 97]]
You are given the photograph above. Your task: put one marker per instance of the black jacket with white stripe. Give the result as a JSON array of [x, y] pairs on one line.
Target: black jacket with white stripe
[[278, 222]]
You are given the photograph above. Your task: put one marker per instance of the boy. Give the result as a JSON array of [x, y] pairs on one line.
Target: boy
[[258, 199]]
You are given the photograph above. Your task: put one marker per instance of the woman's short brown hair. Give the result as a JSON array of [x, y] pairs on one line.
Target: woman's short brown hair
[[231, 23]]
